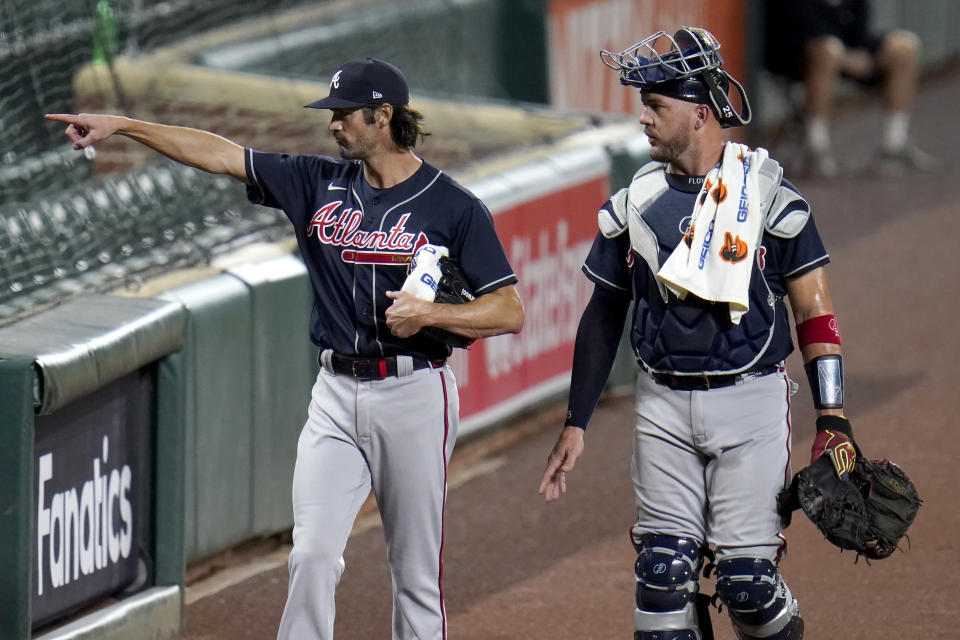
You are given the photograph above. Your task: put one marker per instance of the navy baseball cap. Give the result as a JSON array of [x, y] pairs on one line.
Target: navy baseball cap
[[359, 83]]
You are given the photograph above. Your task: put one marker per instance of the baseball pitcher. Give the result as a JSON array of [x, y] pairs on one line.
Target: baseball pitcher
[[384, 410]]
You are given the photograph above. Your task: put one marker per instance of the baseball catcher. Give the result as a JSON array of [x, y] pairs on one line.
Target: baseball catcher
[[720, 248], [858, 504]]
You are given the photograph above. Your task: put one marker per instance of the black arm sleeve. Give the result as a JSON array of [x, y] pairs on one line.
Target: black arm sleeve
[[594, 351]]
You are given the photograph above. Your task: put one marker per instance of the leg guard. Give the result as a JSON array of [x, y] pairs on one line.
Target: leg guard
[[758, 599], [668, 571]]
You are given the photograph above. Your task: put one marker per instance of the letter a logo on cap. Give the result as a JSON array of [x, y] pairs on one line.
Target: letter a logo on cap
[[335, 80]]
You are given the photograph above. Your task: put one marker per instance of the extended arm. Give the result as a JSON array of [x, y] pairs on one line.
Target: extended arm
[[593, 354], [494, 313], [194, 147]]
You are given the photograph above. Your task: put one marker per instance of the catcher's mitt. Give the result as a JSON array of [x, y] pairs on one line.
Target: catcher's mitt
[[892, 504], [867, 510]]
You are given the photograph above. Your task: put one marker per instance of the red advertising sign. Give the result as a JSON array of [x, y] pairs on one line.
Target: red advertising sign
[[547, 238]]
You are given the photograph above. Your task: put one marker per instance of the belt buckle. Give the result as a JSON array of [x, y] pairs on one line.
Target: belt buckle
[[706, 381], [360, 375]]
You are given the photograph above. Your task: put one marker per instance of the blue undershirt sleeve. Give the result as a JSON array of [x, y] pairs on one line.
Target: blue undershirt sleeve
[[594, 351]]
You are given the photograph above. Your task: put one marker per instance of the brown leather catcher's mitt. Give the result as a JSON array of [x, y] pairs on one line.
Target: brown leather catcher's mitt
[[867, 510]]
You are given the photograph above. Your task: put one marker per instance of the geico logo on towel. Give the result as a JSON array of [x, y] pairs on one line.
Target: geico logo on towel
[[76, 532], [742, 205]]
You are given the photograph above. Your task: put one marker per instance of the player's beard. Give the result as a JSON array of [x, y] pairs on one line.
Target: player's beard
[[355, 151], [670, 150], [359, 148]]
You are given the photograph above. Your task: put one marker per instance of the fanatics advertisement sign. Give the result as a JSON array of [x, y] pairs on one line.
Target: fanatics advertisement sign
[[91, 465]]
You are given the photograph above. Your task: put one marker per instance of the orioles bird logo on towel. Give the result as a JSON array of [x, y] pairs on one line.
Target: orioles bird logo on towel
[[705, 191], [734, 249], [720, 193]]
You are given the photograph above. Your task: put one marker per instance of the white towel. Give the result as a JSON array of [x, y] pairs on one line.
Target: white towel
[[425, 272], [714, 260]]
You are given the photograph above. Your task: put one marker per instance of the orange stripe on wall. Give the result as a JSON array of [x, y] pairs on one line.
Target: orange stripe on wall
[[727, 21]]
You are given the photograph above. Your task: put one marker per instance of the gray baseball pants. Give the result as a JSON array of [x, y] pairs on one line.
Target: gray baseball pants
[[394, 436], [708, 464]]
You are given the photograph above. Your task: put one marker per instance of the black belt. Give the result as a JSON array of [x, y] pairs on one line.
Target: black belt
[[363, 368], [697, 382]]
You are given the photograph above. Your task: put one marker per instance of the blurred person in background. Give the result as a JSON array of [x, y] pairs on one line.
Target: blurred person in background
[[818, 42]]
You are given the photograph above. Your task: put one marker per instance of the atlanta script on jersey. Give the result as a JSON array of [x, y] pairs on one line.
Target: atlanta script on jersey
[[357, 242]]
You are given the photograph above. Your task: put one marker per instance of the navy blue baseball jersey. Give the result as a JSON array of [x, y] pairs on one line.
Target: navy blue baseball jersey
[[357, 243], [693, 335]]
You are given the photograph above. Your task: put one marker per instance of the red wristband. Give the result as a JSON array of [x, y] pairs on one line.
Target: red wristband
[[819, 329]]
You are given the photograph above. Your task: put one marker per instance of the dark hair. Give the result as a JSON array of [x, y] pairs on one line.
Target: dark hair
[[404, 125]]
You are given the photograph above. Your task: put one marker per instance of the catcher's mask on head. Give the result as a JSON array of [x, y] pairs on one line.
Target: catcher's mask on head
[[690, 70]]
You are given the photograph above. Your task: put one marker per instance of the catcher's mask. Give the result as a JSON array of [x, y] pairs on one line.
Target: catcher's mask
[[690, 70]]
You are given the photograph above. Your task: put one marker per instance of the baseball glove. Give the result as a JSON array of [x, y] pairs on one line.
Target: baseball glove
[[867, 510], [435, 277], [892, 504], [452, 288]]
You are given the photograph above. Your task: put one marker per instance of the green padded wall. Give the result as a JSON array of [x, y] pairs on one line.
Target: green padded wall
[[285, 367], [217, 370], [170, 463], [16, 496]]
